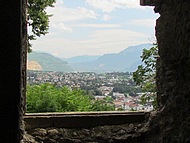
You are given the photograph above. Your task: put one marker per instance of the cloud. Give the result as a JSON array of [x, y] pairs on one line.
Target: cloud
[[96, 25], [111, 41], [94, 40], [63, 14], [143, 22], [111, 5], [62, 27], [59, 3], [98, 43], [116, 35], [106, 17]]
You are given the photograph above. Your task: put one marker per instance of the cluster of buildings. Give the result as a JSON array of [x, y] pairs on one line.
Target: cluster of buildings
[[78, 79], [104, 83], [127, 102]]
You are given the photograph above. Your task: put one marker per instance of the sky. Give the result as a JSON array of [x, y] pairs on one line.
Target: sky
[[96, 27]]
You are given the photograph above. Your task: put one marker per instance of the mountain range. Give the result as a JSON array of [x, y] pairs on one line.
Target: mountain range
[[126, 60], [47, 62]]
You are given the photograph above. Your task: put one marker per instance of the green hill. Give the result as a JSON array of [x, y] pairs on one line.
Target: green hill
[[49, 62]]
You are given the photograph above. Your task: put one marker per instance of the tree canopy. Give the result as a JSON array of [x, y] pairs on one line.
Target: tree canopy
[[49, 98], [38, 19], [145, 75]]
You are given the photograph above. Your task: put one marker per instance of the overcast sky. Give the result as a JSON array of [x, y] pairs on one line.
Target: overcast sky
[[96, 27]]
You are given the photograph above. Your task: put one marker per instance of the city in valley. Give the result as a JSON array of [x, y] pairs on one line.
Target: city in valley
[[119, 86]]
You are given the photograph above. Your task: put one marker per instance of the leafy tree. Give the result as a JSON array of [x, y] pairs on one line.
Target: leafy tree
[[102, 105], [40, 98], [145, 75], [38, 19], [49, 98], [122, 88]]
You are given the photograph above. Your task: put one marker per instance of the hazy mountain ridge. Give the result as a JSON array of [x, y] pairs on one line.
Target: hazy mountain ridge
[[82, 59], [126, 60], [49, 62]]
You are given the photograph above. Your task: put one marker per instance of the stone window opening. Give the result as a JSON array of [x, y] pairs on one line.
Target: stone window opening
[[142, 4], [169, 124]]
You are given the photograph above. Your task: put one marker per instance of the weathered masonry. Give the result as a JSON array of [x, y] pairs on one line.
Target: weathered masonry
[[12, 69], [171, 123]]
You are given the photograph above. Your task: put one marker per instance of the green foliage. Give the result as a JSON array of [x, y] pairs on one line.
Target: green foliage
[[48, 98], [126, 89], [120, 109], [146, 72], [40, 98], [38, 19], [102, 105], [145, 75], [133, 109]]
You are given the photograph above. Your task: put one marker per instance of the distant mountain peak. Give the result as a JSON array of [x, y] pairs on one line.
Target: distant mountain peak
[[135, 48], [49, 62], [126, 60]]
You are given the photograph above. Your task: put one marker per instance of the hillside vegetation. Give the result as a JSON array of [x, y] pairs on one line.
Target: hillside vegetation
[[48, 98], [49, 62]]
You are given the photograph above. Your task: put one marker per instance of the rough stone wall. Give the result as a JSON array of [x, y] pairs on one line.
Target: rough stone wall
[[10, 70], [127, 133], [23, 66], [172, 121]]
